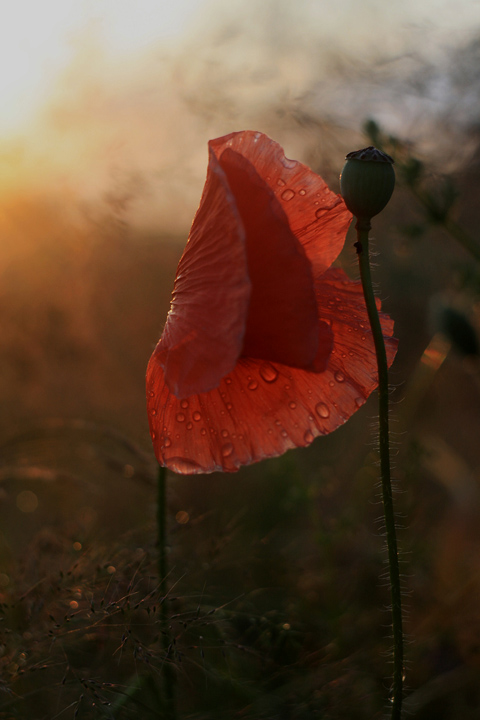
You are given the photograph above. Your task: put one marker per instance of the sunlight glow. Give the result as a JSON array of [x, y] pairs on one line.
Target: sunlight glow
[[39, 40]]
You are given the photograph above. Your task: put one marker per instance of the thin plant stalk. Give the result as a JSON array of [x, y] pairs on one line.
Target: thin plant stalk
[[168, 671], [363, 228]]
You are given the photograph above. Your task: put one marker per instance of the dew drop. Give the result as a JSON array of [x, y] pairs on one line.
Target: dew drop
[[281, 183], [203, 431], [151, 393], [224, 433], [292, 405], [284, 433], [228, 381], [184, 466], [184, 404], [268, 373], [322, 410], [288, 195], [180, 417], [308, 437], [339, 377], [227, 450], [287, 387], [302, 192], [359, 401], [252, 385], [351, 353], [229, 406], [167, 442], [197, 416], [154, 435], [277, 422], [363, 337], [320, 213], [189, 426], [331, 383], [153, 412]]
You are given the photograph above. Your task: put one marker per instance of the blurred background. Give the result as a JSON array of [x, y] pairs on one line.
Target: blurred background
[[278, 600]]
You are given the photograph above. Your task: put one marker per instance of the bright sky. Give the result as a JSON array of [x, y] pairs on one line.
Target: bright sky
[[37, 40]]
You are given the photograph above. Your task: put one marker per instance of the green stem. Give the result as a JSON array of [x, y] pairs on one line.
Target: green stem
[[169, 679], [393, 563]]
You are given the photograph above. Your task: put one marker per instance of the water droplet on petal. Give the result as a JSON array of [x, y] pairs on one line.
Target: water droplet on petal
[[292, 405], [252, 385], [184, 404], [151, 393], [189, 426], [227, 450], [268, 372], [182, 465], [331, 383], [167, 442], [281, 183], [288, 195], [320, 213], [322, 410], [153, 412], [224, 433], [180, 417], [308, 437], [339, 377], [229, 406], [302, 192], [203, 431], [197, 416], [284, 433], [363, 337], [228, 381], [154, 435], [359, 401]]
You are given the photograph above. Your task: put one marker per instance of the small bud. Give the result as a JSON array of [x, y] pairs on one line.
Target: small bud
[[457, 328], [367, 182]]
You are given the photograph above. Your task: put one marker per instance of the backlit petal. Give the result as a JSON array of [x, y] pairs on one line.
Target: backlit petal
[[261, 409], [316, 215], [282, 323], [204, 331]]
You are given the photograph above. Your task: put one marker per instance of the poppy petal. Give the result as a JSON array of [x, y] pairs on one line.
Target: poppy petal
[[317, 216], [261, 409], [282, 322], [204, 331]]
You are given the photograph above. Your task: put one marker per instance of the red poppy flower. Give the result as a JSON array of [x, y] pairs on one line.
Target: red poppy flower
[[266, 346]]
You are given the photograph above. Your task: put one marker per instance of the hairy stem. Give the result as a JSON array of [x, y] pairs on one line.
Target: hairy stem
[[393, 563], [168, 671]]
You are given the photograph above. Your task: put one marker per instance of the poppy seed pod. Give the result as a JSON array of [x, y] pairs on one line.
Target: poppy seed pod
[[367, 182]]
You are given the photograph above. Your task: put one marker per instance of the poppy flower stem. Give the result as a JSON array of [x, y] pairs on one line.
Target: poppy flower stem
[[363, 227], [168, 671]]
